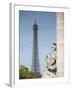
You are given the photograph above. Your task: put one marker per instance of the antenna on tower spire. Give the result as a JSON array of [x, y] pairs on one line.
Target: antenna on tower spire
[[35, 21]]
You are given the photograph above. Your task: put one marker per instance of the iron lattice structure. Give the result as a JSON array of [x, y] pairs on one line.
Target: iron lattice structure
[[35, 58]]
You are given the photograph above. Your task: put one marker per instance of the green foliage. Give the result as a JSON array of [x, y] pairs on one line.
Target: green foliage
[[24, 72]]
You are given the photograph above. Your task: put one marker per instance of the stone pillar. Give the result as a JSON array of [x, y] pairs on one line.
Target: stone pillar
[[60, 43]]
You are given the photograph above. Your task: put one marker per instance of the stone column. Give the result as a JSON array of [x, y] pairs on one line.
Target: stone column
[[60, 43]]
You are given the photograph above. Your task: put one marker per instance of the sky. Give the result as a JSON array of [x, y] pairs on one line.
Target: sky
[[46, 22]]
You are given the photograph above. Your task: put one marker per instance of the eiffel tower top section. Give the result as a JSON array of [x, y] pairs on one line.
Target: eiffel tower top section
[[35, 26]]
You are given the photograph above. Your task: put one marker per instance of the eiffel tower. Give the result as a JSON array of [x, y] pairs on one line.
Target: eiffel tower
[[35, 58]]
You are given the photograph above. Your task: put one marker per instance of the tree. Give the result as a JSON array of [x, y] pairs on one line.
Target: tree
[[24, 72]]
